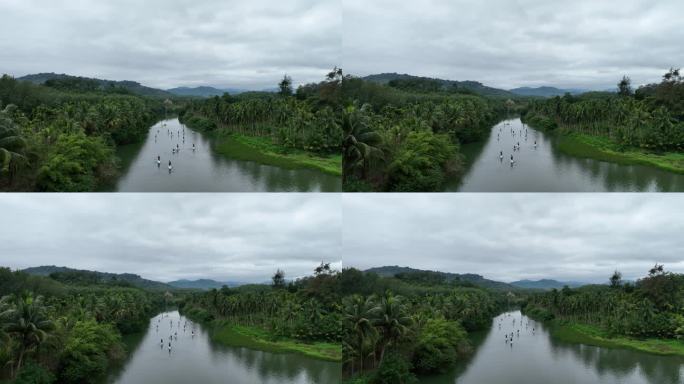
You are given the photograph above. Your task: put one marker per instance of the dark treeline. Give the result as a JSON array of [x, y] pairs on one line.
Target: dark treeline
[[406, 136], [67, 328], [61, 136], [304, 310], [413, 323], [650, 118], [307, 119], [650, 307]]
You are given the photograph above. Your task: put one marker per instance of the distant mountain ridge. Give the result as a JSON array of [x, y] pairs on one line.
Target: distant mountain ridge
[[546, 91], [204, 91], [203, 284], [478, 280], [104, 277], [474, 86], [136, 280], [546, 284], [132, 86]]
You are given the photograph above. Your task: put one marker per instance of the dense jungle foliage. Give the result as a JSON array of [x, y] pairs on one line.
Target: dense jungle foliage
[[307, 119], [61, 136], [650, 118], [650, 307], [65, 329], [395, 328], [306, 309], [406, 135]]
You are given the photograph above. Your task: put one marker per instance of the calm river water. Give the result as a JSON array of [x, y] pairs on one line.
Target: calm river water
[[196, 359], [202, 170], [545, 169], [535, 357]]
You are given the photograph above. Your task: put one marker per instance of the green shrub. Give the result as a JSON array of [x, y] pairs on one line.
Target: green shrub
[[439, 345], [87, 352], [540, 314], [32, 373], [76, 163], [422, 162], [395, 369]]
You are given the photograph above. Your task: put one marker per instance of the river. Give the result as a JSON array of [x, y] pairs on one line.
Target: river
[[196, 359], [535, 357], [545, 168], [203, 170]]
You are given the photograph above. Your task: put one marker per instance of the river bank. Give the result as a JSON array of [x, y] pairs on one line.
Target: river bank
[[574, 332], [263, 150], [604, 149], [259, 339], [234, 335], [593, 335]]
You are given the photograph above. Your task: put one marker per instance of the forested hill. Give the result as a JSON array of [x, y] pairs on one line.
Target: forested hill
[[63, 81], [546, 91], [205, 91], [84, 277], [546, 284], [433, 276], [410, 81]]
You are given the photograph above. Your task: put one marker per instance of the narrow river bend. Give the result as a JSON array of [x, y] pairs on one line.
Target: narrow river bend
[[196, 359], [544, 168], [202, 170], [535, 357]]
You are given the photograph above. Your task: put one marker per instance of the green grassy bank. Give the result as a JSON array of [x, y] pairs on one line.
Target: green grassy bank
[[592, 335], [263, 151], [603, 149], [256, 338]]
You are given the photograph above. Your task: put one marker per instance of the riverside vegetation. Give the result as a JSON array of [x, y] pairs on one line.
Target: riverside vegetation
[[400, 328], [288, 129], [67, 327], [406, 135], [647, 315], [413, 323], [299, 316], [61, 136], [645, 126]]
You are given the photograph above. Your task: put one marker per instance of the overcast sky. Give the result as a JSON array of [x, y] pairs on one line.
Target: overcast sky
[[508, 237], [235, 237], [511, 43], [169, 43]]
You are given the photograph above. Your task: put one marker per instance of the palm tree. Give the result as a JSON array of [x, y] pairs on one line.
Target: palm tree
[[391, 319], [12, 145], [357, 315], [26, 321], [360, 153]]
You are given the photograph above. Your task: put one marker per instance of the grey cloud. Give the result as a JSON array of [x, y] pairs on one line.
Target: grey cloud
[[167, 236], [173, 43], [510, 237], [507, 43]]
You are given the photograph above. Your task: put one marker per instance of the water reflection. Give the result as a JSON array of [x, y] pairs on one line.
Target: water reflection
[[543, 168]]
